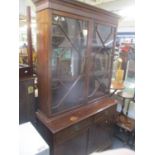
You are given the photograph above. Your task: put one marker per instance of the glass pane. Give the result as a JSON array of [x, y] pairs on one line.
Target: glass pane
[[69, 43], [101, 58]]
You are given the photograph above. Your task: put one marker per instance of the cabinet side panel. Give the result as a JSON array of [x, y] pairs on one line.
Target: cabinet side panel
[[26, 100], [44, 53]]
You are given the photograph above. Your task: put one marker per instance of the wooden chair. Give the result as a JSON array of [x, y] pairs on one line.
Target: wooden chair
[[124, 122]]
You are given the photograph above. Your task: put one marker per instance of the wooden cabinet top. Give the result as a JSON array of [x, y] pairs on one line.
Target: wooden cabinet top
[[75, 7], [65, 120]]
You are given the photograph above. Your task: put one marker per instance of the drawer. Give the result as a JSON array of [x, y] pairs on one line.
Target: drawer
[[105, 115], [72, 131]]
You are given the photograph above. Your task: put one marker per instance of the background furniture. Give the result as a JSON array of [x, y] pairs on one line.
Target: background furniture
[[123, 121], [26, 67], [26, 100], [75, 45], [127, 126], [116, 86], [127, 98]]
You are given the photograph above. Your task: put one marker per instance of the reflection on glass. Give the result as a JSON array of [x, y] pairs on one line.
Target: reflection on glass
[[101, 57], [69, 41]]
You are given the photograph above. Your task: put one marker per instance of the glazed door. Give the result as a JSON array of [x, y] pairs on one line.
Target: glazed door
[[71, 84], [69, 44], [101, 60]]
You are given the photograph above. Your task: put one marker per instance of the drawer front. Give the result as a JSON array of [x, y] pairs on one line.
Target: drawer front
[[106, 115], [72, 131]]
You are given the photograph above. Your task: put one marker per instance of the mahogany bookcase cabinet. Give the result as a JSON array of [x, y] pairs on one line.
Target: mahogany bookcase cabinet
[[75, 44]]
